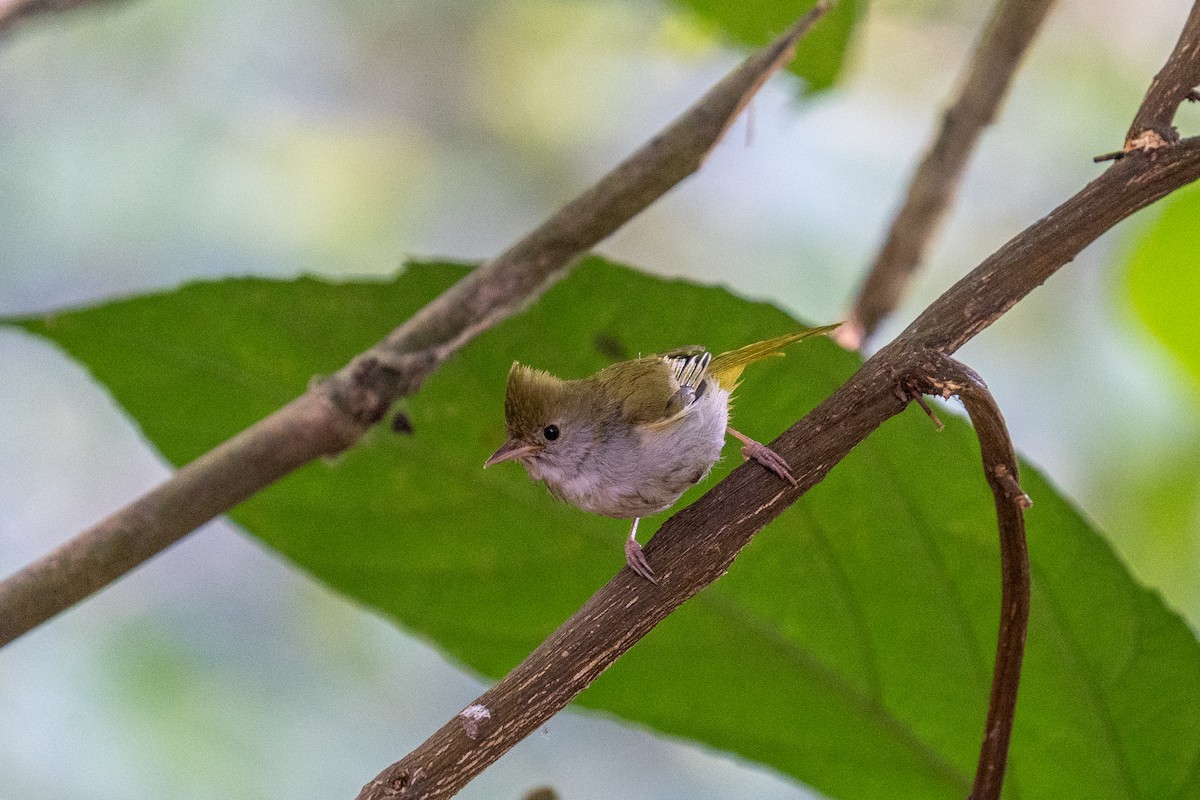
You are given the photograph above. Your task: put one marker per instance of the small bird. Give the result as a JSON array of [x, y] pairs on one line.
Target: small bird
[[627, 441]]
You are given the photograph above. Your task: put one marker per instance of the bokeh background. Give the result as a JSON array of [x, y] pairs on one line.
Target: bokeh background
[[153, 142]]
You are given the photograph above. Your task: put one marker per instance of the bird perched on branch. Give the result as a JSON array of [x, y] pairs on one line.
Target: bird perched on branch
[[629, 440]]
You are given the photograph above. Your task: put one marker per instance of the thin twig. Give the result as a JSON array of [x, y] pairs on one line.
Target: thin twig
[[1008, 34], [946, 377], [937, 423], [334, 414], [1152, 125]]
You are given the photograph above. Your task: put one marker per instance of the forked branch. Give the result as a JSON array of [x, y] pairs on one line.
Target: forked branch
[[946, 377]]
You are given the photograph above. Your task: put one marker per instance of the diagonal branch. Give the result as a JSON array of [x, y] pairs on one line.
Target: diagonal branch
[[333, 415], [1007, 36], [1173, 84], [946, 377], [697, 545]]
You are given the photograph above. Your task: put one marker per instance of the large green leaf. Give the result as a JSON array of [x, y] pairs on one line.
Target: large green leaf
[[1164, 278], [821, 53], [849, 646]]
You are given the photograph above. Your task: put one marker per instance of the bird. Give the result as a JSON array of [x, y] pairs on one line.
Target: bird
[[629, 440]]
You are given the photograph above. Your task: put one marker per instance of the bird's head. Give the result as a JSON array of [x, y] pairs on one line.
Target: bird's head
[[551, 423]]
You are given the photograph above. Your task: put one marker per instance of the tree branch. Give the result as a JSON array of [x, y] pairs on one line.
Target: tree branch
[[947, 377], [333, 415], [1152, 126], [1011, 29]]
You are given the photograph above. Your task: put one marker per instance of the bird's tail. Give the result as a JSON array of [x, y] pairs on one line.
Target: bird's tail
[[727, 367]]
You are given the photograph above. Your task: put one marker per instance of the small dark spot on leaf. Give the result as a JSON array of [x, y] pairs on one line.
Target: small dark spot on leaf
[[610, 346], [402, 424]]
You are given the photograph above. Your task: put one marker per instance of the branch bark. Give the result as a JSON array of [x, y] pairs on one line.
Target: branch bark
[[1008, 34], [946, 377], [334, 414], [1152, 126]]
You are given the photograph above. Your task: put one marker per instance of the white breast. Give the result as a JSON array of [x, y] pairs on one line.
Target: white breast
[[648, 470]]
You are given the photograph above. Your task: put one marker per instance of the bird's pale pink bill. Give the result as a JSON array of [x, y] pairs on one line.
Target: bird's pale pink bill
[[511, 450]]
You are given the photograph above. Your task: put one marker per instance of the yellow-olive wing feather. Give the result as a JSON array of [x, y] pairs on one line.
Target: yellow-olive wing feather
[[727, 367], [641, 389], [658, 388]]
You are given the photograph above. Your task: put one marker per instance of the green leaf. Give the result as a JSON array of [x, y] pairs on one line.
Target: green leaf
[[754, 23], [1163, 278], [850, 645]]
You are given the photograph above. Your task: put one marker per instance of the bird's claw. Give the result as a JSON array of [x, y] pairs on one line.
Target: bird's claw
[[769, 459], [637, 562]]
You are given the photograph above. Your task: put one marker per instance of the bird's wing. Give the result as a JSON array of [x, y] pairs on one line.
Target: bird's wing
[[689, 366], [727, 367], [639, 388], [655, 388]]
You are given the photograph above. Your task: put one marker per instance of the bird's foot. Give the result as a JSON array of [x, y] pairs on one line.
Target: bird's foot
[[769, 459], [764, 455], [636, 560]]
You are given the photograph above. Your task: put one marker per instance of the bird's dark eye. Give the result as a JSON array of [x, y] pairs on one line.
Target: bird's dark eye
[[550, 432]]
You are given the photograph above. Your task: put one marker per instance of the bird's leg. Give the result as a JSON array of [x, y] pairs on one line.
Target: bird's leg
[[634, 556], [763, 455]]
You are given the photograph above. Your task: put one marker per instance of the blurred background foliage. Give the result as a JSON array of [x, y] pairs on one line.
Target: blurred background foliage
[[151, 143]]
